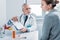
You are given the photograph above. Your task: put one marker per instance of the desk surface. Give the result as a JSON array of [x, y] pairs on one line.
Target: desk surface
[[23, 36]]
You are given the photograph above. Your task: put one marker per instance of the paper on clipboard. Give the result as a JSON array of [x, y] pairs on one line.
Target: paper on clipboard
[[18, 25]]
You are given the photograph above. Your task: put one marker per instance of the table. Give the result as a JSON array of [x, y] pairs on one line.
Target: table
[[23, 36]]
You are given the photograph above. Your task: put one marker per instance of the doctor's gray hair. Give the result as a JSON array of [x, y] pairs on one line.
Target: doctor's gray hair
[[24, 5]]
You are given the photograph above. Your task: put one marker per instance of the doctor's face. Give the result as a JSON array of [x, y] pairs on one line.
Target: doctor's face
[[26, 9]]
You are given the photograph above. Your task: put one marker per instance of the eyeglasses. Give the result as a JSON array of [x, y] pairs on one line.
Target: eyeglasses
[[28, 8]]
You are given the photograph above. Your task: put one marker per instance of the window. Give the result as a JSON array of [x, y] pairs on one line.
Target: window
[[36, 9]]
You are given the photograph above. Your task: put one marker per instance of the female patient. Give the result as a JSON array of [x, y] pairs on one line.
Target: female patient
[[51, 28]]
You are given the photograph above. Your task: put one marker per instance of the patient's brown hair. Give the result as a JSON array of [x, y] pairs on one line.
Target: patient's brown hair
[[53, 2]]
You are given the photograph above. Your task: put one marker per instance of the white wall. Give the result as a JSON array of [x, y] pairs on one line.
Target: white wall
[[13, 8], [2, 12], [33, 1], [9, 8]]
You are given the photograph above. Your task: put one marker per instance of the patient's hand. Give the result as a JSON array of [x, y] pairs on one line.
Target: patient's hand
[[15, 19], [23, 30]]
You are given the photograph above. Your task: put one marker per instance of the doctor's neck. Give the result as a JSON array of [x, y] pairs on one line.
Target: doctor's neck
[[26, 13]]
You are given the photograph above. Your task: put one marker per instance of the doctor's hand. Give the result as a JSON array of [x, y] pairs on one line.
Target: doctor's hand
[[23, 30], [15, 19]]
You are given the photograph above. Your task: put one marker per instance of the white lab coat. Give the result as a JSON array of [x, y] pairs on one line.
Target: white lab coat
[[30, 21]]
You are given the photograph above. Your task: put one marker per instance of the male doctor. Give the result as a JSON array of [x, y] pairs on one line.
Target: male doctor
[[26, 19]]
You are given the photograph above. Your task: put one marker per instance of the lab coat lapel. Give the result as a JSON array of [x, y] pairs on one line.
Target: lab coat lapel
[[22, 19]]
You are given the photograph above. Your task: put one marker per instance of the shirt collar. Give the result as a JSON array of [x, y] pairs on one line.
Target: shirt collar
[[27, 15], [47, 12]]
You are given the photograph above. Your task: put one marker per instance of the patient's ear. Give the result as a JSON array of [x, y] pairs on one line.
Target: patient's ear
[[49, 6]]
